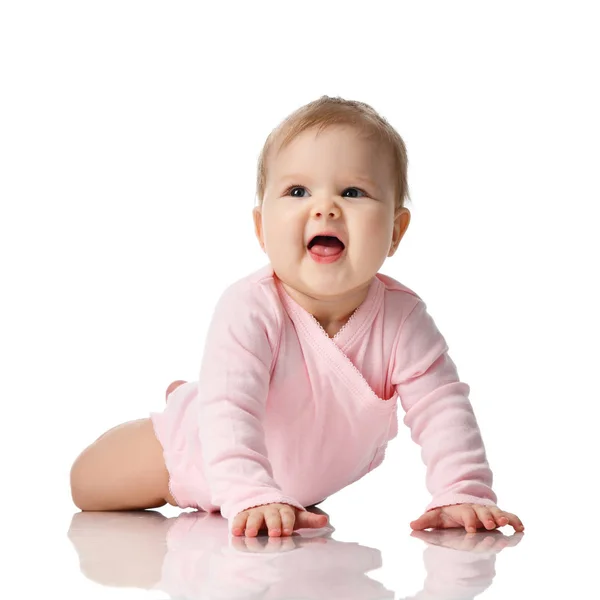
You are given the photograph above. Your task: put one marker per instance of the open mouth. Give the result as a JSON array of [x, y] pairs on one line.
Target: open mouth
[[326, 248], [326, 241]]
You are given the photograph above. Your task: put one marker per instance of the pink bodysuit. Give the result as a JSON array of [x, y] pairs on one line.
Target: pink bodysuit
[[281, 412]]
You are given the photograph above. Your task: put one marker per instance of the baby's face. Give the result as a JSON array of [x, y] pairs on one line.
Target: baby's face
[[336, 180]]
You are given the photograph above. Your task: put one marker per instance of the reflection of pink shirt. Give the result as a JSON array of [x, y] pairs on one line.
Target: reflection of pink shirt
[[288, 414], [203, 561]]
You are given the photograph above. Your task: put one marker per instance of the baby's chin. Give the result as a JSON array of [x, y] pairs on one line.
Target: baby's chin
[[328, 285]]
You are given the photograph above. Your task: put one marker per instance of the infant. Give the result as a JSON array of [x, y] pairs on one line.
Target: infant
[[306, 360]]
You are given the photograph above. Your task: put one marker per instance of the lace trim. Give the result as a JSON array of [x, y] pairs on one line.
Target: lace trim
[[356, 311], [381, 401], [341, 328]]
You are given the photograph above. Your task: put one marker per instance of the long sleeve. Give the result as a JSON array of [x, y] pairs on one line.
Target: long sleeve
[[233, 388], [439, 415]]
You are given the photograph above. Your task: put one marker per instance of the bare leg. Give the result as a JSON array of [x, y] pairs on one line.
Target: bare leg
[[123, 469]]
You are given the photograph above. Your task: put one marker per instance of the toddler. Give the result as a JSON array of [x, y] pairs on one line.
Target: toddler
[[306, 359]]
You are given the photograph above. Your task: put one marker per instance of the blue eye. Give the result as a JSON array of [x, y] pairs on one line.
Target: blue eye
[[295, 187], [356, 190]]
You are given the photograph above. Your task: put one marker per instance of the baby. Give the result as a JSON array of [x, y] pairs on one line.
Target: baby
[[306, 360]]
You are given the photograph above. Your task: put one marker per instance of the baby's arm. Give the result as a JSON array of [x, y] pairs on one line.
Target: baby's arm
[[439, 415], [233, 388]]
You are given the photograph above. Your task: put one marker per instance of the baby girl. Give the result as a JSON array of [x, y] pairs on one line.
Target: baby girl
[[307, 359]]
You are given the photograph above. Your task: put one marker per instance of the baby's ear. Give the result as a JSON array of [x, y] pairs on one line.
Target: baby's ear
[[401, 222], [257, 217]]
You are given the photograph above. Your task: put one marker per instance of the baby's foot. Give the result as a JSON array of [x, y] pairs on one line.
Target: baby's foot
[[173, 386]]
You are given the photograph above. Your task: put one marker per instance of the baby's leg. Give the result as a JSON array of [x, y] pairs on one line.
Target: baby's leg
[[124, 469]]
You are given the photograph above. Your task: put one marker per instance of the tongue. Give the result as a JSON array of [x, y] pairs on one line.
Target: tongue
[[327, 247]]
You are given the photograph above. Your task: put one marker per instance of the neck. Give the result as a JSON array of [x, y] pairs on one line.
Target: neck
[[333, 311]]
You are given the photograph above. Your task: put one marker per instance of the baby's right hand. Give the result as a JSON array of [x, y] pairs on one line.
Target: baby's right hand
[[280, 519]]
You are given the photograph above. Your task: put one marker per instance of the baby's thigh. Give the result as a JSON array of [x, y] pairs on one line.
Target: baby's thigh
[[123, 469]]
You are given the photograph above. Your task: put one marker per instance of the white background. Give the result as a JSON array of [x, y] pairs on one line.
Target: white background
[[129, 135]]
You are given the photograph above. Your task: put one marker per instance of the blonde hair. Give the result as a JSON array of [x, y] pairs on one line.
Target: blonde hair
[[327, 111]]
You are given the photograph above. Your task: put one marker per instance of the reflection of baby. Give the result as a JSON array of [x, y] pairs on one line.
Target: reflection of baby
[[121, 549], [307, 359], [192, 556]]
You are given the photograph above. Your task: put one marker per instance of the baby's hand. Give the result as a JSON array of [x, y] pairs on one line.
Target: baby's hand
[[277, 517], [469, 516]]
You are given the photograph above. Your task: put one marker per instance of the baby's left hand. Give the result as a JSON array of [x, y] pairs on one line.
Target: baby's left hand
[[470, 516]]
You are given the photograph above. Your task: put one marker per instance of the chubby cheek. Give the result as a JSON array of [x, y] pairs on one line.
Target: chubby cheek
[[283, 240], [371, 243], [368, 255]]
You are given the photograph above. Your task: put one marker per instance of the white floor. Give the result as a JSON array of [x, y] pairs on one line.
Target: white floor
[[191, 556], [368, 552]]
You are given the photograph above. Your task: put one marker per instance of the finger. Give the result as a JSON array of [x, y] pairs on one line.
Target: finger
[[514, 521], [499, 516], [307, 519], [239, 523], [505, 518], [469, 518], [254, 523], [288, 518], [426, 520], [485, 516], [273, 521]]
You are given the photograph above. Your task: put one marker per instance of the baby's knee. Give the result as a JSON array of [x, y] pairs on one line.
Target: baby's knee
[[88, 478], [79, 477]]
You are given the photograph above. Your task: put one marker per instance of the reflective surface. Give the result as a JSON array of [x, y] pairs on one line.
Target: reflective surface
[[189, 555], [192, 556]]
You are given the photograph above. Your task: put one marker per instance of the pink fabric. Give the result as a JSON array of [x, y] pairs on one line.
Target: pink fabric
[[281, 412]]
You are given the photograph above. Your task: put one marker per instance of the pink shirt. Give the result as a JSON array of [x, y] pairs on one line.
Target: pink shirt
[[288, 414]]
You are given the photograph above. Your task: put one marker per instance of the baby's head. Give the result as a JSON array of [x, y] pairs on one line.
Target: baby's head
[[333, 165]]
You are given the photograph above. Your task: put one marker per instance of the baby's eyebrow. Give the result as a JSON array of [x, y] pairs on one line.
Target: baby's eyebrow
[[298, 178], [292, 177], [366, 180], [369, 183]]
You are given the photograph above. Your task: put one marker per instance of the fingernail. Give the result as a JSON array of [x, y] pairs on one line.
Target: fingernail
[[288, 531]]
